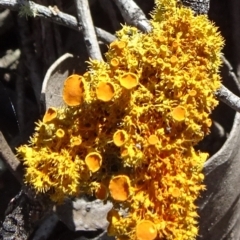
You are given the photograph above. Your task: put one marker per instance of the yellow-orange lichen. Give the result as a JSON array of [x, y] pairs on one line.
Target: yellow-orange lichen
[[153, 139], [146, 230], [60, 133], [73, 91], [113, 217], [209, 122], [120, 137], [192, 93], [176, 192], [50, 115], [130, 125], [101, 192], [119, 187], [173, 60], [118, 45], [105, 91], [129, 80], [114, 62], [93, 161], [179, 113], [76, 141]]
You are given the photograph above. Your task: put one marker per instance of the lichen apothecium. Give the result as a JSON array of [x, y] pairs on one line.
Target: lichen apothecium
[[130, 124]]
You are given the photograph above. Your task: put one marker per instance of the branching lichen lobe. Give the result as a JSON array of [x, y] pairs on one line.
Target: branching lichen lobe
[[129, 135]]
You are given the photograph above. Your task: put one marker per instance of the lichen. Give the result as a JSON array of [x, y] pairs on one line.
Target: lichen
[[129, 127]]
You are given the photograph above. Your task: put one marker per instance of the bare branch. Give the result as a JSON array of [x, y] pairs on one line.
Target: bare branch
[[133, 15], [6, 21], [10, 159], [198, 6], [231, 72], [9, 58], [59, 18], [86, 23], [229, 98], [104, 36]]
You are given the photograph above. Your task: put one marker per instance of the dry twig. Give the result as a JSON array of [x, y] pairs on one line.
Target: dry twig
[[6, 21], [229, 98], [198, 6], [86, 24], [10, 159], [59, 18], [133, 15], [230, 71], [9, 58]]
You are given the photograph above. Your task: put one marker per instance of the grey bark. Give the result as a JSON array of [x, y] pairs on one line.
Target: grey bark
[[198, 6]]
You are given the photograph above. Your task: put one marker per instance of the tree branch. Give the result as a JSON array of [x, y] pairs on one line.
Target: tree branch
[[229, 98], [9, 58], [198, 6], [58, 18], [6, 21], [85, 20], [133, 15], [10, 159], [231, 72]]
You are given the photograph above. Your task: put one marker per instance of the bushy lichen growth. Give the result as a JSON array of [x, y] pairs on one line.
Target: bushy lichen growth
[[130, 125]]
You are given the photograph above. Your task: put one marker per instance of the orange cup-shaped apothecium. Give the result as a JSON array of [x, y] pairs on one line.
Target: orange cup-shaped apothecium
[[153, 139], [101, 192], [179, 113], [50, 115], [146, 230], [119, 188], [94, 161], [120, 137], [105, 91], [73, 90], [129, 80]]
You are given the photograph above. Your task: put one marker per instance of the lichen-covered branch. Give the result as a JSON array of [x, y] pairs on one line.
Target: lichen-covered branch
[[133, 15], [86, 23], [58, 18], [136, 98]]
